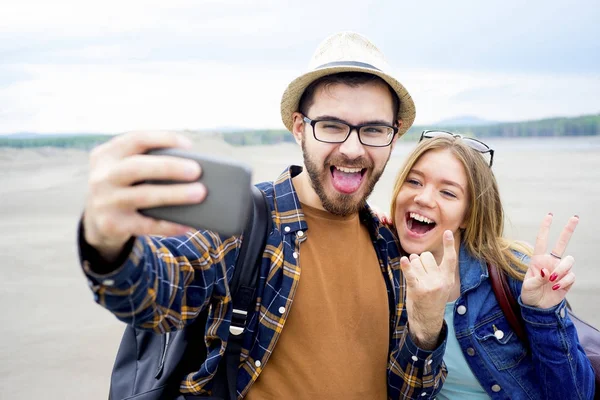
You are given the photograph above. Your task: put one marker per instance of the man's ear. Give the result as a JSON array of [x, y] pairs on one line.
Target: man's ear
[[398, 125], [298, 126]]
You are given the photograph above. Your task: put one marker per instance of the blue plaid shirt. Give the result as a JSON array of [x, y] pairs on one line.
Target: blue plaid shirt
[[166, 281]]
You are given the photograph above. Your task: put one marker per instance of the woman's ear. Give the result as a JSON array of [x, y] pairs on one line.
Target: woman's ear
[[298, 126]]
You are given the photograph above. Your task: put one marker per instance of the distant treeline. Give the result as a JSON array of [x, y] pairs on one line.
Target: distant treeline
[[254, 137], [578, 126], [84, 142], [588, 125]]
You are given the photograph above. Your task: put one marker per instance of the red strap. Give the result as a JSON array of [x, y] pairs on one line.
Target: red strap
[[506, 300]]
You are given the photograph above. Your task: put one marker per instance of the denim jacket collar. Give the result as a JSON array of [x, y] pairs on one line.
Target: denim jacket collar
[[472, 271]]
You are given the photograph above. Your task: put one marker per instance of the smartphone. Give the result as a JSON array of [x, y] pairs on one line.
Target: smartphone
[[228, 200]]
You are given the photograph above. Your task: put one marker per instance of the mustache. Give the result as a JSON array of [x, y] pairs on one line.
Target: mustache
[[340, 159]]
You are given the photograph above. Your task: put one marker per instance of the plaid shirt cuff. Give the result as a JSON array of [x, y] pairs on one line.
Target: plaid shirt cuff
[[99, 269], [425, 360]]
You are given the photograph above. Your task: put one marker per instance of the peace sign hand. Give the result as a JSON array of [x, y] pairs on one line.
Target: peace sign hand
[[549, 276]]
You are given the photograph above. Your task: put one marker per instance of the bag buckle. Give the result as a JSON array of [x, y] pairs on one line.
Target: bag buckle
[[238, 322]]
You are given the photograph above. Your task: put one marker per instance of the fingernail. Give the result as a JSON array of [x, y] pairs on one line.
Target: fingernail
[[576, 216], [192, 169], [196, 192], [553, 277], [552, 215], [556, 287], [543, 274]]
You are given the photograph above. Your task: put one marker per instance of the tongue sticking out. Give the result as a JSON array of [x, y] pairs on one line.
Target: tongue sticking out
[[419, 227], [346, 182]]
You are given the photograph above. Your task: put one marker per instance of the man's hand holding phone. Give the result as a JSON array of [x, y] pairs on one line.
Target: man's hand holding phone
[[111, 214]]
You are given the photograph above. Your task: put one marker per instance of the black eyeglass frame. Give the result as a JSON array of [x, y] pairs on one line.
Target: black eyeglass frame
[[466, 139], [313, 122]]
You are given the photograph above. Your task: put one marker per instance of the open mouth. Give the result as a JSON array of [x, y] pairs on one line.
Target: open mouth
[[419, 224], [347, 180]]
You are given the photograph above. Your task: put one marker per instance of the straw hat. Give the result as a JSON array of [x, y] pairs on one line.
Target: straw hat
[[346, 52]]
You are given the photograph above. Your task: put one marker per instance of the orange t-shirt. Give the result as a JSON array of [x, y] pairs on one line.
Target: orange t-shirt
[[335, 342]]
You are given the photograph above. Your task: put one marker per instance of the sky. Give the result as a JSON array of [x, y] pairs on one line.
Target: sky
[[112, 66]]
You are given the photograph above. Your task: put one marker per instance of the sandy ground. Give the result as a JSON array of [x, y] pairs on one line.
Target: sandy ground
[[58, 344]]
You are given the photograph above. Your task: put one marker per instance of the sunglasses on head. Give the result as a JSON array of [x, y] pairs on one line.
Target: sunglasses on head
[[475, 144]]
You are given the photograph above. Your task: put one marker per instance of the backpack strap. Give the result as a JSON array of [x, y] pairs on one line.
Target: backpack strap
[[245, 275], [243, 292], [506, 300]]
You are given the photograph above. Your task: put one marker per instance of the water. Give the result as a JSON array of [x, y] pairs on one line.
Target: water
[[504, 146]]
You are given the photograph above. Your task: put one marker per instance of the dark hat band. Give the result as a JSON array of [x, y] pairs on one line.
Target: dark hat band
[[348, 64]]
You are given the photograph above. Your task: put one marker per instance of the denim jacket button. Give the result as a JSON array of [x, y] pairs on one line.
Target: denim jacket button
[[499, 334], [496, 388], [461, 310], [562, 312], [471, 351]]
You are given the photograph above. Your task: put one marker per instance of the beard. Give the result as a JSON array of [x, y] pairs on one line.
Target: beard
[[340, 203]]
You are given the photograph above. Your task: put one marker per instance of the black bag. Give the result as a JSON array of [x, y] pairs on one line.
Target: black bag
[[151, 366], [589, 337]]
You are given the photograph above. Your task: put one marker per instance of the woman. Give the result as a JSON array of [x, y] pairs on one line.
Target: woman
[[447, 184]]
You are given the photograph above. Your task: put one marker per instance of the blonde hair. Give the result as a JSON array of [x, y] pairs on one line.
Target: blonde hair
[[483, 235]]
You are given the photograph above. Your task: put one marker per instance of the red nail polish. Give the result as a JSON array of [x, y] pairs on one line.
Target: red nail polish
[[543, 274], [556, 287], [553, 277]]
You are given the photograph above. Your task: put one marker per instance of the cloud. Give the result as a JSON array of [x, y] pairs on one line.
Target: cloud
[[533, 36], [116, 98], [114, 66], [502, 96], [184, 95]]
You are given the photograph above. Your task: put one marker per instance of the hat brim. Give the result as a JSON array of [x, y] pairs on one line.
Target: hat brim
[[291, 96]]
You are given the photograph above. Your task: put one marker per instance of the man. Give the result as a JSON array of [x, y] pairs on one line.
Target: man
[[332, 320]]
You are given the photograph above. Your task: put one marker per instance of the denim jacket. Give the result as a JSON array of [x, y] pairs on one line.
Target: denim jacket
[[552, 365]]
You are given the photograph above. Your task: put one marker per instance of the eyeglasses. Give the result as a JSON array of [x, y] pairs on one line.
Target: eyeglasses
[[475, 144], [333, 131]]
